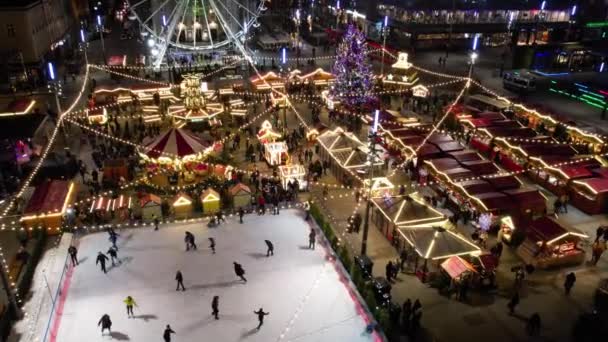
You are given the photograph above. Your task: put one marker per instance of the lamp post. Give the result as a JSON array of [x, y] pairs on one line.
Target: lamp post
[[284, 63], [384, 34], [103, 44], [373, 154], [337, 14], [54, 87], [83, 42]]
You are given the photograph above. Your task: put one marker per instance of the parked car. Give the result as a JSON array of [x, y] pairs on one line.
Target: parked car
[[382, 290]]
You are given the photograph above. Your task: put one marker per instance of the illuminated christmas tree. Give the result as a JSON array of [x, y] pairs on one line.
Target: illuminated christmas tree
[[353, 85]]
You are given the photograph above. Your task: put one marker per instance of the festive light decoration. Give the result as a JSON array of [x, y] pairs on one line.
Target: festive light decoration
[[352, 71]]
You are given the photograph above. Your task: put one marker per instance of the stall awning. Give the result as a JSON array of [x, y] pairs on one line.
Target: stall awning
[[477, 186], [449, 146], [504, 182], [528, 199], [575, 172], [595, 185], [456, 266], [481, 167], [149, 199], [494, 201], [465, 155], [548, 230], [239, 187]]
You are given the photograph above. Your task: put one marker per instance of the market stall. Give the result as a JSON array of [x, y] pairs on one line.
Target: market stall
[[267, 134], [391, 212], [115, 171], [100, 208], [122, 207], [275, 153], [590, 195], [550, 244], [150, 206], [241, 196], [292, 173], [48, 205], [210, 201], [182, 205]]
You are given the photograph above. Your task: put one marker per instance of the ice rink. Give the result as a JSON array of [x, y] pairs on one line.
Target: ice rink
[[301, 288]]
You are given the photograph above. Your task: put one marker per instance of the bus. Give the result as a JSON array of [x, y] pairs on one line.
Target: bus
[[518, 82]]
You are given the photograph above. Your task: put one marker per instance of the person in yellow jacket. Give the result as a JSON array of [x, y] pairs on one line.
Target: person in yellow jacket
[[130, 303]]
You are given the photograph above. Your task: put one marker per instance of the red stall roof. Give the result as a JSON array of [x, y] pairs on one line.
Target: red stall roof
[[438, 138], [528, 198], [504, 182], [601, 172], [458, 173], [596, 185], [481, 167], [449, 146], [476, 186], [456, 266], [427, 151], [479, 123], [495, 201], [491, 116], [465, 155], [545, 229], [442, 164], [576, 171], [49, 197]]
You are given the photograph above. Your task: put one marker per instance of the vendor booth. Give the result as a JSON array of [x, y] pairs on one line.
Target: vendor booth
[[150, 206], [182, 205], [275, 153], [122, 207], [267, 134], [549, 244], [48, 205], [115, 171], [210, 201], [590, 195], [391, 212], [380, 186], [292, 173], [100, 208], [241, 196]]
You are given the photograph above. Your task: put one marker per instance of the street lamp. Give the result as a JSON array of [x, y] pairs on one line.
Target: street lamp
[[54, 87], [384, 34], [103, 45], [373, 154], [83, 41]]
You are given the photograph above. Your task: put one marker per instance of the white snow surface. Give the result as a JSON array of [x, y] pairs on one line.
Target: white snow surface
[[300, 288]]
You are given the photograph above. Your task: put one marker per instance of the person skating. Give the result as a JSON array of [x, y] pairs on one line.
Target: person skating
[[513, 303], [569, 282], [261, 315], [105, 323], [167, 333], [239, 271], [130, 302], [113, 238], [215, 307], [212, 245], [73, 255], [113, 255], [241, 214], [189, 239], [306, 206], [156, 223], [180, 281], [270, 246], [101, 260], [312, 238]]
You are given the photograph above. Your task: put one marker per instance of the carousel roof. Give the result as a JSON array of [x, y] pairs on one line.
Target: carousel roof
[[175, 142]]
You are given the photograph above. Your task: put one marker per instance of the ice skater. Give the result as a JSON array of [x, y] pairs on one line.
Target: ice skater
[[130, 302], [220, 217], [189, 239], [270, 250], [239, 271], [156, 222], [180, 281], [215, 311], [113, 237], [241, 214], [73, 255], [306, 206], [101, 260], [113, 255], [212, 245], [312, 238], [105, 323], [261, 315], [167, 333]]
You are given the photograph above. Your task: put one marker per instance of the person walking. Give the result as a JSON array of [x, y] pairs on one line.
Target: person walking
[[239, 271], [597, 249], [113, 255], [130, 302], [569, 282], [180, 281], [417, 306], [402, 259], [156, 222], [534, 324], [73, 255], [215, 307], [513, 303], [261, 315], [241, 214], [212, 245], [113, 238], [189, 240], [306, 206], [101, 260], [105, 323], [312, 238], [167, 333], [406, 313], [389, 271], [270, 250]]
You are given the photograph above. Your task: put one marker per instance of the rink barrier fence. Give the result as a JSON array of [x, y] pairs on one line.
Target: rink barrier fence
[[349, 270]]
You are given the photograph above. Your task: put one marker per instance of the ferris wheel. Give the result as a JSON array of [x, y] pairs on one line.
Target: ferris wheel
[[198, 25]]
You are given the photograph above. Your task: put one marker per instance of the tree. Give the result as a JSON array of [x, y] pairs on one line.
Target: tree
[[354, 78]]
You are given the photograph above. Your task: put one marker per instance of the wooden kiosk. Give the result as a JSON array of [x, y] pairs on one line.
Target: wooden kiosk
[[210, 201], [241, 195], [182, 205]]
